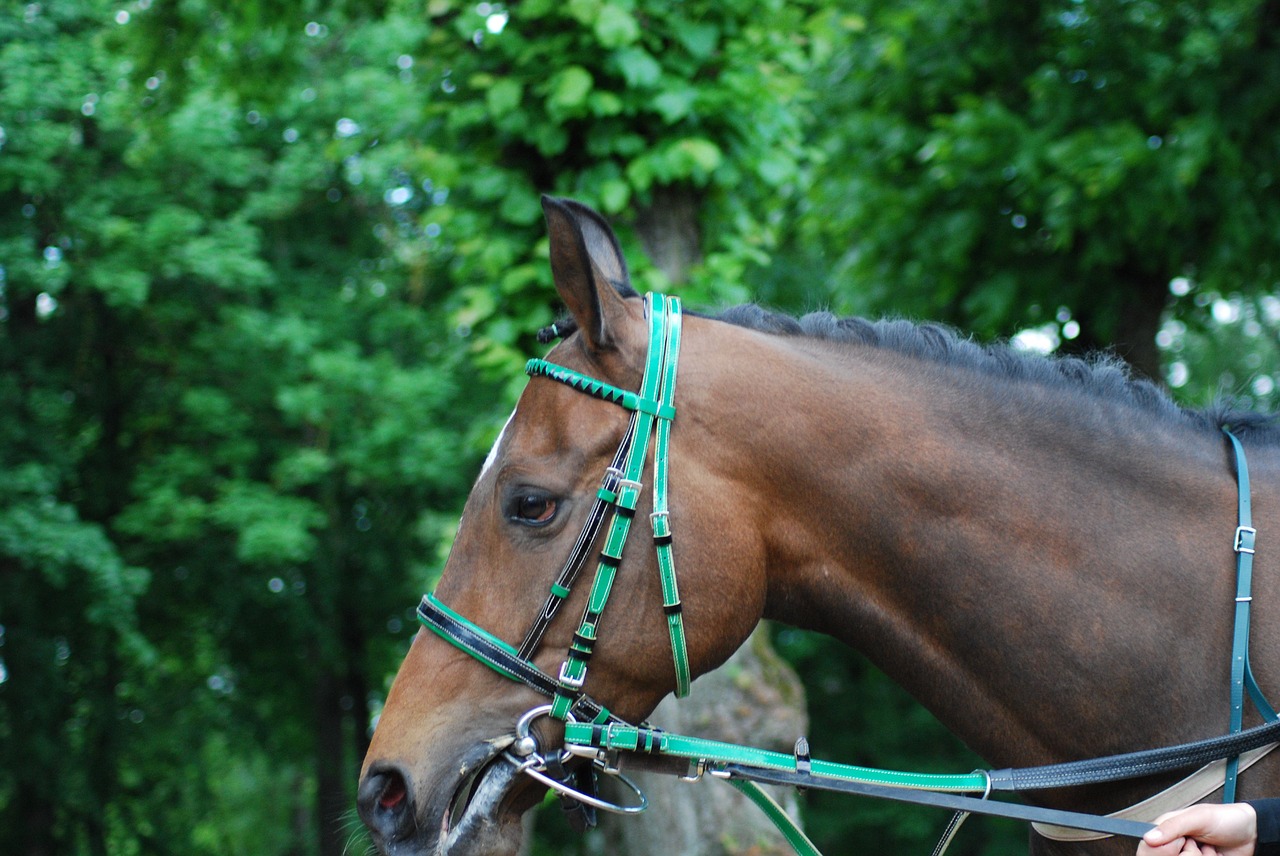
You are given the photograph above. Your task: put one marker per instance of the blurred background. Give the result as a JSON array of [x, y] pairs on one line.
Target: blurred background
[[269, 272]]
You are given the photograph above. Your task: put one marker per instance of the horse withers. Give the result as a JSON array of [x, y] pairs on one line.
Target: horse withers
[[1039, 550]]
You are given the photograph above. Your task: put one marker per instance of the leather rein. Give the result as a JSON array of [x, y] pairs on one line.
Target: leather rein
[[610, 744]]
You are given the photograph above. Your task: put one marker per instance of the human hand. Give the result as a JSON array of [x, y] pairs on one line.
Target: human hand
[[1207, 830]]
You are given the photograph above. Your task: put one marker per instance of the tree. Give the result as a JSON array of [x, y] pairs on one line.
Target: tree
[[1005, 165], [220, 396], [278, 266]]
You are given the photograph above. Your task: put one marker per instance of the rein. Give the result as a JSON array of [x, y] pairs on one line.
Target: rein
[[596, 734]]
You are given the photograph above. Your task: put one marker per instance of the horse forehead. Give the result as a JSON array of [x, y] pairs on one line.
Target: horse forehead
[[539, 434]]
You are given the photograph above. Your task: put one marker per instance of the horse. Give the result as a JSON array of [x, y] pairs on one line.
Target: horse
[[1038, 549]]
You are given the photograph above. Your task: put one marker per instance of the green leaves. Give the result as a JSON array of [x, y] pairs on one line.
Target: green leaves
[[567, 91], [615, 26], [638, 68], [270, 528]]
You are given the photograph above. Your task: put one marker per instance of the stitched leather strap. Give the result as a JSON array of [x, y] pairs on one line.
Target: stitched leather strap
[[661, 518], [1193, 789], [573, 565], [954, 802], [782, 821], [630, 738], [501, 657], [654, 404]]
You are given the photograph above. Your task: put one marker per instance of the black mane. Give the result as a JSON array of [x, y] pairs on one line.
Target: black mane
[[1103, 375]]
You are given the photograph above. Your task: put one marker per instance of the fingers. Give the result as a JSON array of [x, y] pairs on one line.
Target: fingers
[[1206, 830], [1172, 847]]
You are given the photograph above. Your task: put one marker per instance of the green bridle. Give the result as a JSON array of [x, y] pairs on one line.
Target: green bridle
[[653, 410]]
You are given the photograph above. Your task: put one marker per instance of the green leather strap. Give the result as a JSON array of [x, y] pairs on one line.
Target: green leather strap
[[583, 383], [790, 830], [630, 738], [661, 518], [1241, 672], [655, 403]]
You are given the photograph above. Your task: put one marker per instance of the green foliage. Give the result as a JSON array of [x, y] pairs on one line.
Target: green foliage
[[269, 273], [1015, 158], [1223, 347]]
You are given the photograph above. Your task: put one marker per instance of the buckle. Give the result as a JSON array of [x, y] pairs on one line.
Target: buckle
[[637, 486], [568, 680], [1243, 532]]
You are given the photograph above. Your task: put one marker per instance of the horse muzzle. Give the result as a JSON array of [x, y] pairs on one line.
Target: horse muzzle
[[474, 814]]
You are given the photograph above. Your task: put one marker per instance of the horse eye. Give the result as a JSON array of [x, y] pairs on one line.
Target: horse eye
[[534, 509]]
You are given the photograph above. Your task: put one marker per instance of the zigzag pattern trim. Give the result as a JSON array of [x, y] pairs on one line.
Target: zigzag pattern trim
[[582, 383]]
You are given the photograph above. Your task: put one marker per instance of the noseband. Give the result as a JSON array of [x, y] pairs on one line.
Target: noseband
[[652, 411]]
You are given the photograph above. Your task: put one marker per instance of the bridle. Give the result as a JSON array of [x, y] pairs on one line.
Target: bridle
[[595, 733], [652, 411]]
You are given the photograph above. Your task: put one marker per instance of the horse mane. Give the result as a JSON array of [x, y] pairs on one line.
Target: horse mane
[[1101, 374]]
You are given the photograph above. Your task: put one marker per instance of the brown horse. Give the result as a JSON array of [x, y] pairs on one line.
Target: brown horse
[[1039, 550]]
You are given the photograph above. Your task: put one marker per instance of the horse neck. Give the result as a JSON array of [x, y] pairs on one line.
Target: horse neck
[[1005, 555]]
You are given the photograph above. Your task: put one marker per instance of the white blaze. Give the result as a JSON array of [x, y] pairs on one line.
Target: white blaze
[[493, 453]]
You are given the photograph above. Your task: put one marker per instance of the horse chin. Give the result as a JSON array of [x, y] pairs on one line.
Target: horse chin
[[481, 818]]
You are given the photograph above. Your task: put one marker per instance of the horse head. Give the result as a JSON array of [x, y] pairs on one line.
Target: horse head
[[438, 777]]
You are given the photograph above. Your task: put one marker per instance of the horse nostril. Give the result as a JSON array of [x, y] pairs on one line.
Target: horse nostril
[[394, 793], [385, 803]]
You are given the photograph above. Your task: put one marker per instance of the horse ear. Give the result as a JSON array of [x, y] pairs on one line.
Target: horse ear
[[588, 268]]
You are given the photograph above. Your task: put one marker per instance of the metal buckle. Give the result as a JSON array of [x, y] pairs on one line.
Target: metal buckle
[[571, 682], [589, 752], [1241, 532]]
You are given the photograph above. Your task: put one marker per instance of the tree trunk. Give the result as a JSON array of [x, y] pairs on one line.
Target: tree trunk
[[1128, 328], [332, 800], [668, 230], [1144, 301]]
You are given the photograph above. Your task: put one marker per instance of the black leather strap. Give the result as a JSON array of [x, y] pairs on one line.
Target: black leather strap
[[954, 802], [501, 659], [581, 548], [1135, 764]]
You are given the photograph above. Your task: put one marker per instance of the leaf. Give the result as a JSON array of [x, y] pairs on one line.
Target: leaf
[[570, 87], [673, 105], [614, 195], [504, 97], [696, 157], [638, 68], [616, 27], [700, 39]]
